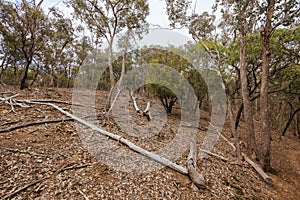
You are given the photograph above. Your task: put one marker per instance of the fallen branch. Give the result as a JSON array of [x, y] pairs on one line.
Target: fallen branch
[[147, 108], [33, 123], [230, 143], [11, 101], [84, 196], [120, 139], [11, 105], [196, 177], [10, 122], [4, 99], [73, 167], [14, 102], [42, 179], [23, 188], [215, 155], [259, 170], [60, 102]]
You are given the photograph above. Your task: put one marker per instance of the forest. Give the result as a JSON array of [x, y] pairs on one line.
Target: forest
[[88, 113]]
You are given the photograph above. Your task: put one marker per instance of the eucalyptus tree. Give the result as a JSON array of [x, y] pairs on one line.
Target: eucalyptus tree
[[264, 17], [74, 57], [59, 39], [274, 14], [157, 57], [5, 58], [237, 17], [23, 27], [240, 17], [106, 19]]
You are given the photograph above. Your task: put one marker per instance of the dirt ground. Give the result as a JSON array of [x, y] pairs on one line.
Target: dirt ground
[[51, 161]]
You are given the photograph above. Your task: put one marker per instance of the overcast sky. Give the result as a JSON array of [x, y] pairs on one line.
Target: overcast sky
[[157, 11]]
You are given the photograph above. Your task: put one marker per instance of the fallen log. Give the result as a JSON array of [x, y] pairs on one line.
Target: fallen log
[[190, 171], [8, 98], [60, 102], [196, 177], [257, 168], [118, 138]]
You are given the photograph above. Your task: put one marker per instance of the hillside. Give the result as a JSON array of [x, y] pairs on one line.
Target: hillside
[[49, 160]]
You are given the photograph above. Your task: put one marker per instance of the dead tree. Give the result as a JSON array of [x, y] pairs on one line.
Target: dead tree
[[145, 112]]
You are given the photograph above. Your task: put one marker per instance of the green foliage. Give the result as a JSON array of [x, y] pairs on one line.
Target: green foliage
[[168, 86], [164, 65], [165, 95], [197, 82], [12, 76], [109, 18], [44, 45]]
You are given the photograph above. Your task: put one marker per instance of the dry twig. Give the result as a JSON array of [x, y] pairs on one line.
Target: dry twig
[[34, 123], [64, 168], [23, 188], [84, 196]]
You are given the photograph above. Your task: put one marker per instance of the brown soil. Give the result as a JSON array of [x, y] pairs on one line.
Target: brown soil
[[55, 155]]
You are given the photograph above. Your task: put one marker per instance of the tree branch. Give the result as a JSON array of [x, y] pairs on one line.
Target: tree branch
[[120, 139], [33, 123]]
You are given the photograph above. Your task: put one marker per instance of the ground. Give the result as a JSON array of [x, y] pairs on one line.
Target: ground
[[51, 161]]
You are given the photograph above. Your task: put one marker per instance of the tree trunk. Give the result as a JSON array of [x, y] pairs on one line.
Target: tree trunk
[[2, 69], [24, 75], [123, 67], [111, 72], [251, 145], [1, 75], [238, 115], [288, 123], [126, 40], [168, 105], [236, 102], [233, 129], [51, 84], [264, 100], [35, 77], [297, 132]]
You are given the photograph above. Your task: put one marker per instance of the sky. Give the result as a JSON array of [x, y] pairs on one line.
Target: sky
[[158, 11], [157, 17]]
